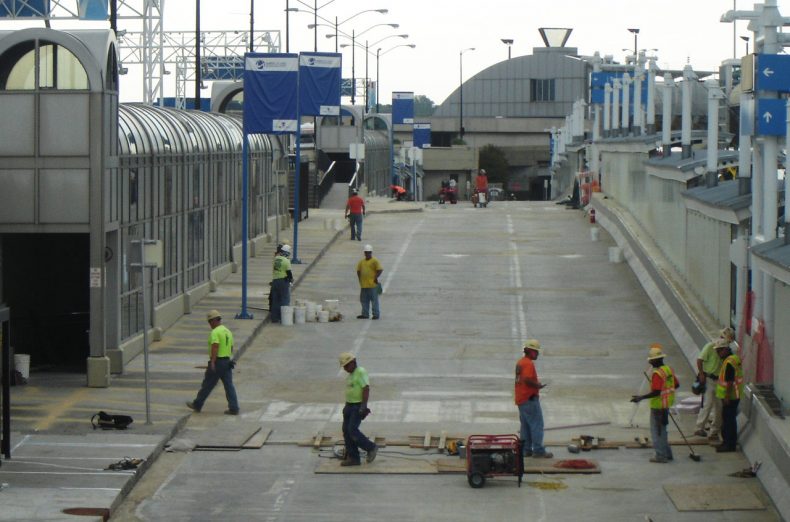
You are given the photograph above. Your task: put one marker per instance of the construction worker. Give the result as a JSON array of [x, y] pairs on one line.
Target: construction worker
[[355, 211], [220, 366], [708, 366], [281, 282], [663, 383], [369, 270], [355, 411], [528, 401], [729, 390]]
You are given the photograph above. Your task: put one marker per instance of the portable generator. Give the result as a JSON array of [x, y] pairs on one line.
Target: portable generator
[[493, 455]]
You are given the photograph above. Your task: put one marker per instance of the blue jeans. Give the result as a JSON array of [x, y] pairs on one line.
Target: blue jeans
[[658, 431], [353, 438], [281, 296], [224, 373], [531, 416], [356, 226], [729, 424], [368, 296]]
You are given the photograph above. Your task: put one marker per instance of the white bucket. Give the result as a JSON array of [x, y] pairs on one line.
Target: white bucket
[[323, 316], [310, 316], [594, 233], [615, 254], [299, 314], [330, 305], [22, 364], [286, 315]]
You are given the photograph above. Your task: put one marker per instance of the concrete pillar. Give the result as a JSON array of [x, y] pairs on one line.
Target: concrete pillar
[[616, 84], [607, 108], [666, 114], [625, 123], [650, 127], [715, 94], [685, 136]]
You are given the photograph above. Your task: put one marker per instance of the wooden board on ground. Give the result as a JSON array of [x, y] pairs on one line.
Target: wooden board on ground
[[713, 497], [229, 434], [258, 440], [429, 442], [326, 442], [382, 465], [456, 465]]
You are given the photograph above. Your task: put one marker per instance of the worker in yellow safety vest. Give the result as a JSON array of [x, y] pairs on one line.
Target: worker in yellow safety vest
[[662, 397], [729, 389]]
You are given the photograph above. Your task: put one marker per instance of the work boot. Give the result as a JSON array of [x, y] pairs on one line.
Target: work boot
[[725, 449], [191, 406], [701, 433], [361, 316], [658, 460], [349, 462], [372, 454], [231, 412], [546, 455]]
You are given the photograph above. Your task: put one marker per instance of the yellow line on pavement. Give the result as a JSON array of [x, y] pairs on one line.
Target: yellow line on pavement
[[58, 408]]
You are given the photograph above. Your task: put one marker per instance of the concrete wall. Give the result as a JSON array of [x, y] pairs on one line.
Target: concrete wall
[[782, 344], [708, 264], [666, 219]]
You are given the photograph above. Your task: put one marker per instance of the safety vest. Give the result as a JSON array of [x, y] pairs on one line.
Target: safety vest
[[667, 397], [734, 389]]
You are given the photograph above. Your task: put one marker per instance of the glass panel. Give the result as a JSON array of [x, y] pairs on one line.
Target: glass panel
[[23, 73], [60, 69]]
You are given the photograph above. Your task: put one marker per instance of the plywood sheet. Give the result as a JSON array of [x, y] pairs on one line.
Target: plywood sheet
[[382, 465], [713, 497]]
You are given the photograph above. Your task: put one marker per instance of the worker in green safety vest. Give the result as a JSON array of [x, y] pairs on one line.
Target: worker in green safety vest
[[729, 389], [662, 397]]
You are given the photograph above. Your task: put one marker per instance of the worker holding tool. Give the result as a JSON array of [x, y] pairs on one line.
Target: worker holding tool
[[729, 389], [662, 396], [528, 401], [355, 411], [708, 366], [282, 277]]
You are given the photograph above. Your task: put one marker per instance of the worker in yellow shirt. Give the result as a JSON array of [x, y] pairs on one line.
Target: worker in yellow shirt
[[369, 270]]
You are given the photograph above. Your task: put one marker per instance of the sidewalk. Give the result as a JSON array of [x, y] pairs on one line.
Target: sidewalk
[[59, 462]]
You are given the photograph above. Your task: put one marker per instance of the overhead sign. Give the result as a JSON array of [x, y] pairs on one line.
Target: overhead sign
[[320, 75], [770, 116], [93, 9], [402, 108], [422, 135], [24, 8], [270, 93], [772, 72]]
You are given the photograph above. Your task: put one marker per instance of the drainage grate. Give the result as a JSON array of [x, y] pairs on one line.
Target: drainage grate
[[765, 392]]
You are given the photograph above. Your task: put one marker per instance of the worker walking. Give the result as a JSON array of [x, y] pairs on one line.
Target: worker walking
[[281, 282], [528, 388], [729, 390], [355, 211], [355, 411], [220, 366], [708, 366], [369, 270], [663, 383]]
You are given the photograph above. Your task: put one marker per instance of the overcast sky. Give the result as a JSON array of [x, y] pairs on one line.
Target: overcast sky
[[683, 31]]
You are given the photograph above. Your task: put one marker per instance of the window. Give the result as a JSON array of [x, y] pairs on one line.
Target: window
[[541, 90], [57, 68]]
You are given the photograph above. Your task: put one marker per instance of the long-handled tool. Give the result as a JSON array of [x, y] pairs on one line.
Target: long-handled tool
[[693, 456], [636, 408]]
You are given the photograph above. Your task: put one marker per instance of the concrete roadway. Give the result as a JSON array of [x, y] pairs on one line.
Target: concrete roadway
[[463, 288]]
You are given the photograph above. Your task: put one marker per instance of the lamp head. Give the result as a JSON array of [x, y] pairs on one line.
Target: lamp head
[[634, 30], [507, 41]]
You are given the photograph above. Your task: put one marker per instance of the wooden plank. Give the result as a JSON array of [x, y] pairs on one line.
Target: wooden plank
[[258, 440], [317, 439], [325, 441], [442, 440], [426, 442]]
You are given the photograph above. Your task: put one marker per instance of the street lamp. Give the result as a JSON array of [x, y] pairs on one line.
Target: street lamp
[[461, 69], [509, 43], [746, 39], [314, 10], [378, 54], [635, 32], [354, 35], [367, 53]]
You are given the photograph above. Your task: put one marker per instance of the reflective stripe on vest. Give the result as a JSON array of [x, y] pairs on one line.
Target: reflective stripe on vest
[[667, 397], [734, 389]]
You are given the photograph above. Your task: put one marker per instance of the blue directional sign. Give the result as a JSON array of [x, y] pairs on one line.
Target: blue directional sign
[[770, 116], [772, 72]]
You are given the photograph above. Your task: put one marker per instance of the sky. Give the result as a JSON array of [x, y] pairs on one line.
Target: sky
[[683, 31]]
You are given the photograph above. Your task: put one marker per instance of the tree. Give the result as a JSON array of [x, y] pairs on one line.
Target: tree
[[493, 160], [423, 106]]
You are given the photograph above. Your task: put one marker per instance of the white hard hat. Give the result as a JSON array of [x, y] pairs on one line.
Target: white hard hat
[[368, 248], [286, 249], [532, 344]]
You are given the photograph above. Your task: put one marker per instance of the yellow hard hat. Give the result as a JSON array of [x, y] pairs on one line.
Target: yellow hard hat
[[655, 352], [532, 344], [213, 314], [727, 333], [722, 343], [346, 357]]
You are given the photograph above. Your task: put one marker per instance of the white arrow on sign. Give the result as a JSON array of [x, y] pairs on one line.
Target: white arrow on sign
[[768, 72], [767, 116]]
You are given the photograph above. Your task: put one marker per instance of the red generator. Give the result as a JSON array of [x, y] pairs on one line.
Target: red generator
[[493, 455]]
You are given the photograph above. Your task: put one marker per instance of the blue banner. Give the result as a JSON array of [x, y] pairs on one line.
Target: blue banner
[[421, 135], [320, 75], [24, 8], [93, 10], [270, 93], [402, 108]]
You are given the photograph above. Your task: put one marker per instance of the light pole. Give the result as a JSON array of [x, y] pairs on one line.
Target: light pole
[[378, 54], [635, 32], [353, 36], [461, 111], [509, 43], [367, 52], [314, 10], [746, 39]]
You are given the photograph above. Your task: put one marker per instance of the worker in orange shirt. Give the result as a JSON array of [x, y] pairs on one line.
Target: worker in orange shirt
[[528, 401], [355, 211]]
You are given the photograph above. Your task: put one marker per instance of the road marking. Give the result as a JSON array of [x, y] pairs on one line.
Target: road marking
[[518, 321], [24, 440], [56, 409]]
